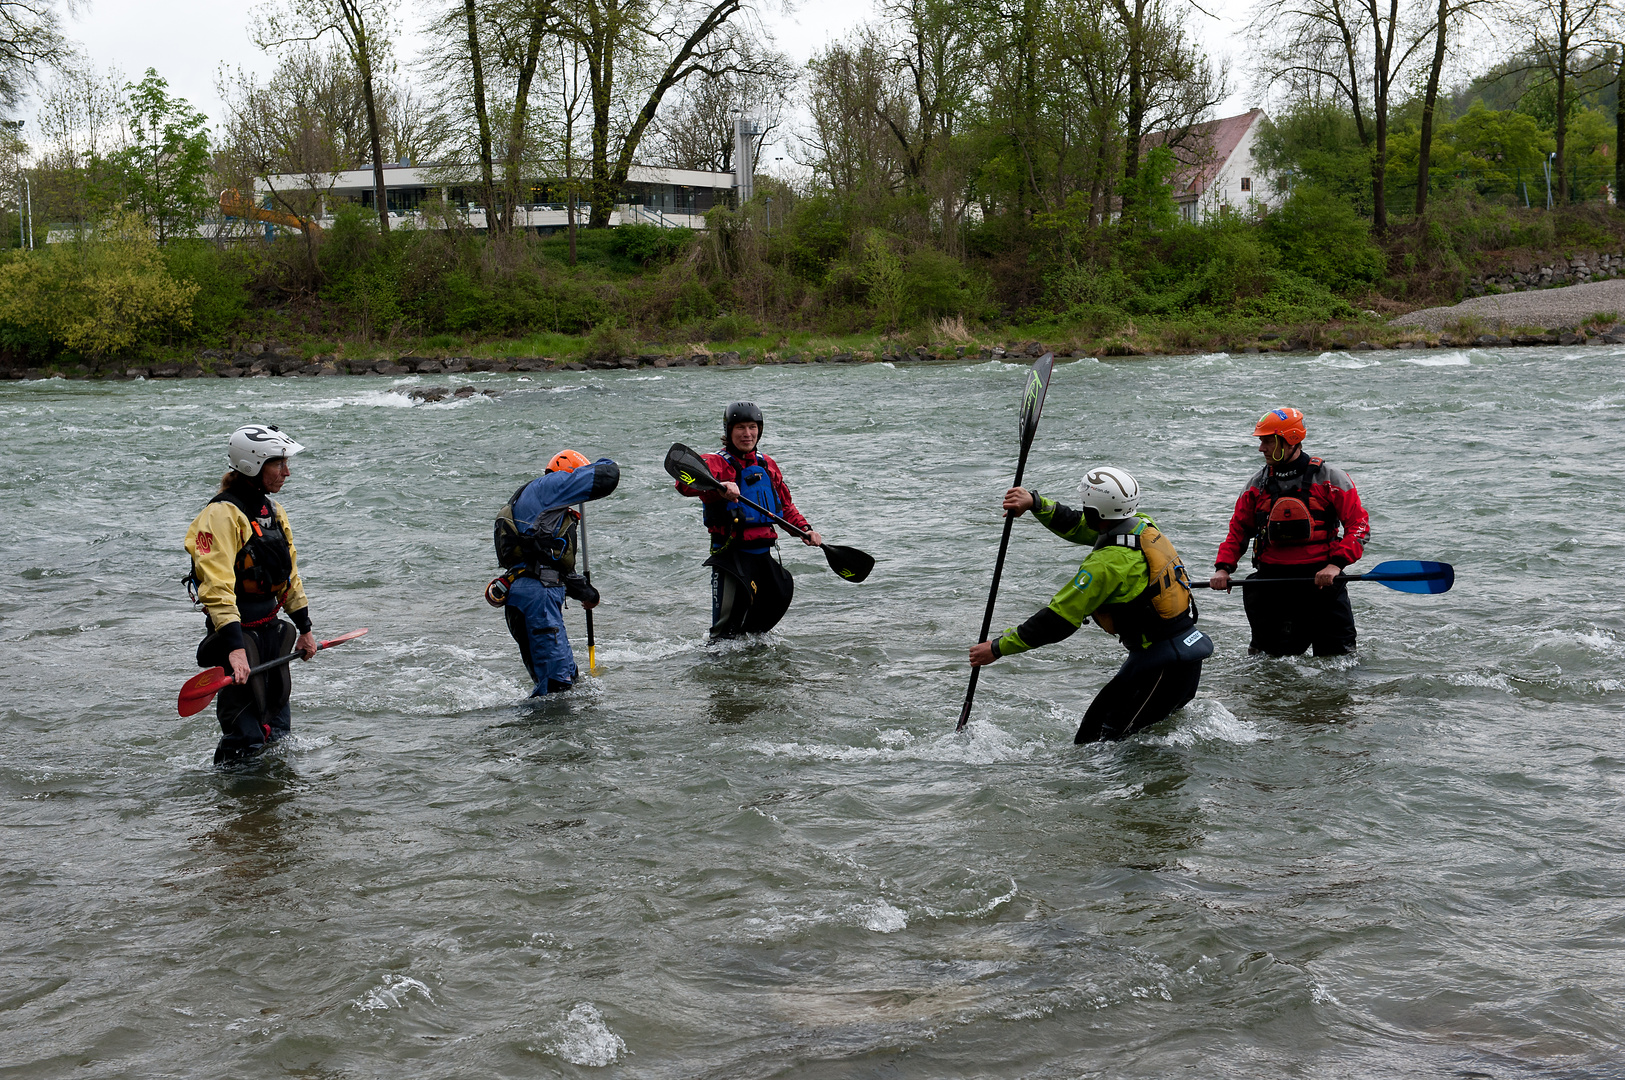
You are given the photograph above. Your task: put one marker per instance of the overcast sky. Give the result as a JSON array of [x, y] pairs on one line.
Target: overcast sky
[[187, 41]]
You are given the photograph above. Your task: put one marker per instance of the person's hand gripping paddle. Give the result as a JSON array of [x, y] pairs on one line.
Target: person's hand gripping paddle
[[1032, 404], [687, 467], [1403, 575], [201, 688]]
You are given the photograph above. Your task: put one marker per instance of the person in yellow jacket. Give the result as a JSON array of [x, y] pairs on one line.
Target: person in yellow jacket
[[244, 571]]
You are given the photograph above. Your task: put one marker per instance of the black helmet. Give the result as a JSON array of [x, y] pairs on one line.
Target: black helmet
[[738, 413]]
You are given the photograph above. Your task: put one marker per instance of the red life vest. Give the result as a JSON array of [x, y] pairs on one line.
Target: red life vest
[[1297, 517]]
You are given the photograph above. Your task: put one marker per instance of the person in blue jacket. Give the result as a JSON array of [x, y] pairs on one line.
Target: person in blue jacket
[[536, 540]]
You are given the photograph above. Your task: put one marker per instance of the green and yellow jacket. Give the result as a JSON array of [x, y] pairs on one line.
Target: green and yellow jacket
[[1133, 584]]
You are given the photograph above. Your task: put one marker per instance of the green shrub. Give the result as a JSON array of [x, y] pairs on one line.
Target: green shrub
[[1320, 236], [648, 245], [222, 279]]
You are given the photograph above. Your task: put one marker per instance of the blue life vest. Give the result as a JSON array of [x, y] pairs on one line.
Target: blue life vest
[[756, 484]]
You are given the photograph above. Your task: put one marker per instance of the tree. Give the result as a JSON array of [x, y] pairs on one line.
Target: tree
[[30, 41], [636, 52], [699, 132], [362, 27], [161, 172], [1348, 49], [1566, 38], [78, 114]]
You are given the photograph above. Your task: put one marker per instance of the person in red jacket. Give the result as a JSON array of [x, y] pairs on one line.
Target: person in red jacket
[[1305, 520], [750, 589]]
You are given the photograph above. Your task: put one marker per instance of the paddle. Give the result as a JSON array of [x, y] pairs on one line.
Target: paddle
[[1404, 575], [688, 468], [586, 572], [201, 688], [1032, 403]]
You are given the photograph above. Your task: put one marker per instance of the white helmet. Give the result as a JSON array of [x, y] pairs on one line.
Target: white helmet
[[1110, 491], [252, 446]]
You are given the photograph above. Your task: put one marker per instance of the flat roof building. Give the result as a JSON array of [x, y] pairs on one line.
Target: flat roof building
[[670, 198]]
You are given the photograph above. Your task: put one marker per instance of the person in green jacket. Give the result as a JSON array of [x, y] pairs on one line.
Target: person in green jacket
[[1134, 585]]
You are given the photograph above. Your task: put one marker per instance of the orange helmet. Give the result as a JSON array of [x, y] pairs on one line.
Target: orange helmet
[[566, 461], [1287, 423]]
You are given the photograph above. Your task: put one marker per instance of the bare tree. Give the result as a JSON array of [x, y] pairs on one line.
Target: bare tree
[[698, 133], [638, 51], [362, 27], [31, 41], [79, 125], [1353, 49], [1567, 38]]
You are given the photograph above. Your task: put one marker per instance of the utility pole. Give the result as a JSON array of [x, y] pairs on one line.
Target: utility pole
[[29, 186]]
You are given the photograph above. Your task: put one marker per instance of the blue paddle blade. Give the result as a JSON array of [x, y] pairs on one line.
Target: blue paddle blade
[[1412, 576]]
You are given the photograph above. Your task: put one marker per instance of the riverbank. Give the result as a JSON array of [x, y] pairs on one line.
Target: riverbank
[[1468, 327]]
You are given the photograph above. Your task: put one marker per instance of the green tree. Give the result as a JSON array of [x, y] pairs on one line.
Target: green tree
[[161, 172]]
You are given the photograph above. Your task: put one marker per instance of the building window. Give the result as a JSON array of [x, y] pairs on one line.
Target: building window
[[1246, 183]]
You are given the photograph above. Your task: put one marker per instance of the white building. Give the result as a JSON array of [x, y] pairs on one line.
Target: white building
[[657, 196], [1216, 168]]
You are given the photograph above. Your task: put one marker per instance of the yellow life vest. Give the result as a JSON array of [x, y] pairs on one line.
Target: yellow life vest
[[1164, 606]]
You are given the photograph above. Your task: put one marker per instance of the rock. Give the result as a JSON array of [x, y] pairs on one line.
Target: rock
[[959, 352], [192, 372], [725, 359], [463, 391], [428, 367], [1253, 349], [253, 348], [530, 364], [997, 353], [842, 358], [661, 361], [630, 362], [1614, 337], [410, 363], [1570, 339], [166, 371], [481, 365], [499, 366], [1594, 341], [429, 394], [456, 365], [575, 366], [137, 373], [386, 367]]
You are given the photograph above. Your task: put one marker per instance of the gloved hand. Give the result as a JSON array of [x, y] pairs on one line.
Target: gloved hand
[[578, 588]]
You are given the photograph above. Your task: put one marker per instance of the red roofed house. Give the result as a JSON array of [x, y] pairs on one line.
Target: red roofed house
[[1216, 167]]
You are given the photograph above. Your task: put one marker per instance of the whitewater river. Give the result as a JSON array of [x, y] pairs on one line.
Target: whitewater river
[[777, 859]]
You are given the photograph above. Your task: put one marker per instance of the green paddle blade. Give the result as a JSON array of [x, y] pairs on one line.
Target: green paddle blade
[[1032, 402], [687, 467]]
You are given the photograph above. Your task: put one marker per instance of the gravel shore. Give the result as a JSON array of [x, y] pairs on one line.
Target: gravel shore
[[1546, 308]]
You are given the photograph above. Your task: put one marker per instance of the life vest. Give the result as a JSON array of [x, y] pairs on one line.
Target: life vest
[[1165, 606], [1296, 515], [264, 563], [548, 545], [756, 484]]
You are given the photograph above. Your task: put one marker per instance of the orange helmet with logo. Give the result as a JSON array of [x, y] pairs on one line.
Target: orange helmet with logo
[[566, 461], [1287, 423]]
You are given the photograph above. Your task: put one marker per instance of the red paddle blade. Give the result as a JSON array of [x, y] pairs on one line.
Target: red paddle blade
[[342, 638], [200, 689]]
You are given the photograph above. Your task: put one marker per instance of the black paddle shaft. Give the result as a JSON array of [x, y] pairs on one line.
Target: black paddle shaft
[[1031, 407]]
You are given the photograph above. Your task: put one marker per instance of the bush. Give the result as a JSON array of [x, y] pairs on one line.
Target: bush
[[100, 295], [648, 245], [1320, 236], [222, 279]]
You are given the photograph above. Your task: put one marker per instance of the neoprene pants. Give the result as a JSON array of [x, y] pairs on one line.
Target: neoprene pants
[[1136, 700], [258, 712], [1287, 620], [535, 616]]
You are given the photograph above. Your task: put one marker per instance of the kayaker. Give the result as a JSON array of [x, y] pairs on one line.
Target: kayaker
[[1134, 585], [750, 588], [1305, 520], [536, 541], [244, 571]]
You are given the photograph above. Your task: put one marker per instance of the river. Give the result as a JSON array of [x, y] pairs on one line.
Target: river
[[776, 858]]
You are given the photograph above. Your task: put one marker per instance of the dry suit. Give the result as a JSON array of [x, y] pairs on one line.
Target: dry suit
[[536, 540], [1134, 585], [1299, 515], [750, 589], [245, 570]]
